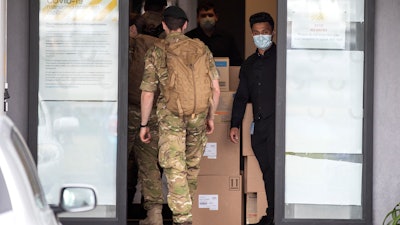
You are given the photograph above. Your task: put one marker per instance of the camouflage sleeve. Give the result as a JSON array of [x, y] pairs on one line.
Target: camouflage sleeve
[[150, 79], [213, 68]]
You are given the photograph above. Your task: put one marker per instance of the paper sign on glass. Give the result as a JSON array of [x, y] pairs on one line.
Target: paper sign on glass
[[78, 50]]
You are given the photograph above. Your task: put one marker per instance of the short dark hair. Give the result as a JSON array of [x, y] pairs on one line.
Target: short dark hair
[[206, 5], [174, 23], [137, 20], [260, 18]]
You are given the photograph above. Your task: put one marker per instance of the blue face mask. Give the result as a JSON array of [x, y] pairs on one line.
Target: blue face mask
[[262, 41]]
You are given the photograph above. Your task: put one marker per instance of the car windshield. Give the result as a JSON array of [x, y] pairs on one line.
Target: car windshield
[[29, 167]]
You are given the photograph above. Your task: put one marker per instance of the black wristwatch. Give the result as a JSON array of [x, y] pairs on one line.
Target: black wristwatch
[[143, 125]]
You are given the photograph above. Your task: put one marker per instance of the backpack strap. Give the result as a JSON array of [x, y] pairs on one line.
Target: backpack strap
[[161, 44]]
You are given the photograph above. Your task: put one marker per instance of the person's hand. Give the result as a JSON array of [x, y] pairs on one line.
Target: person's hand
[[145, 135], [210, 126], [234, 135]]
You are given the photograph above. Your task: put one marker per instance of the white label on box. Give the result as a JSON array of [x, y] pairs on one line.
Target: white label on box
[[208, 202], [211, 150]]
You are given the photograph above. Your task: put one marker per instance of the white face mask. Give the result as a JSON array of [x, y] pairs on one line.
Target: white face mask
[[207, 23], [262, 41]]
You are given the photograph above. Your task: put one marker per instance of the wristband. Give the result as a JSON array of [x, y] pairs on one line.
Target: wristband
[[143, 125]]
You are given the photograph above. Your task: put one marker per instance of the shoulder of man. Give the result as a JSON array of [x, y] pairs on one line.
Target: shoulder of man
[[198, 41], [160, 45], [249, 60], [156, 53], [147, 39]]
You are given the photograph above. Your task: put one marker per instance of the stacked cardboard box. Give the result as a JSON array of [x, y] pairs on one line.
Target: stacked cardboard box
[[256, 200], [224, 110], [222, 64], [234, 77], [221, 157], [219, 195], [218, 200]]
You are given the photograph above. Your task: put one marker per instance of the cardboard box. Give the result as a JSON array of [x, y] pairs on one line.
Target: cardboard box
[[246, 131], [226, 101], [221, 156], [218, 201], [252, 179], [222, 64], [224, 109], [222, 117], [234, 77], [256, 203]]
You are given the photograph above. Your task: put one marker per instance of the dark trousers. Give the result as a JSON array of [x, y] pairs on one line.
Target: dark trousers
[[263, 144]]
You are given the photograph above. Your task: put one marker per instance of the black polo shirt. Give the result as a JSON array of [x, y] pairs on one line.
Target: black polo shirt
[[257, 85]]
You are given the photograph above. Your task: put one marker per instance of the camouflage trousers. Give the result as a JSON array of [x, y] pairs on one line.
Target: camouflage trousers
[[181, 146], [146, 157]]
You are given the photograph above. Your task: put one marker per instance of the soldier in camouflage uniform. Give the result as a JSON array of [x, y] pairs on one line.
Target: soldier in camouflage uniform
[[152, 16], [182, 139], [144, 156]]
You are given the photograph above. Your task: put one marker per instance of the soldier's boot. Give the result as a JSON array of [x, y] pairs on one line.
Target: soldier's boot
[[154, 216]]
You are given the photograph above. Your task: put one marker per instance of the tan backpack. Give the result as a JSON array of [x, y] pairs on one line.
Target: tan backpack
[[188, 89]]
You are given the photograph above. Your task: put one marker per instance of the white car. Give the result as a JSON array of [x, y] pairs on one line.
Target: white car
[[22, 200]]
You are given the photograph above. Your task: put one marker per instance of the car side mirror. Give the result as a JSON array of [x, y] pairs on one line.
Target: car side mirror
[[77, 199]]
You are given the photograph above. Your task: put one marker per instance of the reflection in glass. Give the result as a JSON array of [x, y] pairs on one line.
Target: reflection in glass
[[324, 109], [75, 199], [80, 147]]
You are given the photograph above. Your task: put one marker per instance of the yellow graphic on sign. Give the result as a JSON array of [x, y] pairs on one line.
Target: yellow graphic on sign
[[67, 10], [77, 10], [95, 2], [317, 16], [110, 7]]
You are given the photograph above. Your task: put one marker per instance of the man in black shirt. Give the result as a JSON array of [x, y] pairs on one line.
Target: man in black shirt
[[258, 86], [220, 42]]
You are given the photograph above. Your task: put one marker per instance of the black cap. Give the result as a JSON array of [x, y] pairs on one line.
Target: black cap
[[176, 12]]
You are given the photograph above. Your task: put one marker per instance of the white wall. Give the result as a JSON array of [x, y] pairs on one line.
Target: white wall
[[386, 181]]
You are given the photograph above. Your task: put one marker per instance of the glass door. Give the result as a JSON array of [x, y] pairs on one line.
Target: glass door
[[80, 96], [325, 128]]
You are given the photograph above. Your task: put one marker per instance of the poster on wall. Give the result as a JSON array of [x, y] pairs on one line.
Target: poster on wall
[[78, 50]]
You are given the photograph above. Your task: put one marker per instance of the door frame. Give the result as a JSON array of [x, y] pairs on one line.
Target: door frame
[[123, 41], [367, 140]]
